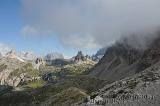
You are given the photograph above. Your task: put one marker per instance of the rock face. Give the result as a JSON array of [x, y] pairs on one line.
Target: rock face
[[79, 57], [27, 56], [122, 60], [53, 56], [119, 61], [141, 89], [38, 62], [7, 65], [13, 72], [56, 59], [6, 51], [100, 53], [12, 54], [4, 76]]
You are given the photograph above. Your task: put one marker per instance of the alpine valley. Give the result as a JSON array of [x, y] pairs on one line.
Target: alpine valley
[[122, 74]]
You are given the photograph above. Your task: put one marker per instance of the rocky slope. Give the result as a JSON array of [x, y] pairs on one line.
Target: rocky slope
[[122, 60], [13, 72], [79, 57], [138, 90], [12, 54], [119, 61], [65, 85], [100, 53], [29, 56], [134, 75]]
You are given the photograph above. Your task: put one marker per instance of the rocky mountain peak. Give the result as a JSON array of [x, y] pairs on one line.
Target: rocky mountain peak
[[54, 56], [79, 57], [27, 55], [13, 55], [120, 60], [38, 62]]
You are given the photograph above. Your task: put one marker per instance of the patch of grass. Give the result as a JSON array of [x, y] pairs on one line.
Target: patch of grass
[[28, 69], [78, 68], [69, 90], [87, 83], [93, 96], [56, 94], [49, 69], [16, 99], [2, 67], [36, 84], [68, 97]]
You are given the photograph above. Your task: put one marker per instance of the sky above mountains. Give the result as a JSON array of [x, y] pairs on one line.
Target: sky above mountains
[[12, 35], [67, 26]]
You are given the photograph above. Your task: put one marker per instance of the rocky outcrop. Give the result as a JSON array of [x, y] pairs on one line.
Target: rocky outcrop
[[38, 62], [14, 72], [13, 55], [79, 57], [53, 56], [4, 76], [6, 80], [29, 56], [100, 53], [56, 59]]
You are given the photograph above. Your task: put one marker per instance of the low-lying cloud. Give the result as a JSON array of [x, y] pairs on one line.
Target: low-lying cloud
[[4, 49], [88, 23]]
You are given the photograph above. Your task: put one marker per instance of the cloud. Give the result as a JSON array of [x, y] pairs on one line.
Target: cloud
[[4, 49], [33, 31], [28, 30], [77, 41], [88, 23]]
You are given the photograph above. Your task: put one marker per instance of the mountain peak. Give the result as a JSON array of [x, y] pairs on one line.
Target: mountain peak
[[53, 56]]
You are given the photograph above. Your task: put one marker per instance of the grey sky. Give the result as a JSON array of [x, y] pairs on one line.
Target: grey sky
[[88, 23]]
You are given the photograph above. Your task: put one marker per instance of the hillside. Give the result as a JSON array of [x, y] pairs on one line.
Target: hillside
[[13, 72], [122, 60], [49, 84], [119, 61], [138, 90]]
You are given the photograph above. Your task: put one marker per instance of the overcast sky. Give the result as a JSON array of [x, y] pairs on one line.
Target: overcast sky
[[88, 23]]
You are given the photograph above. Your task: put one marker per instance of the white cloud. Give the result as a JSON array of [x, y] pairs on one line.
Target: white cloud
[[29, 30], [103, 20], [79, 41], [4, 49]]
